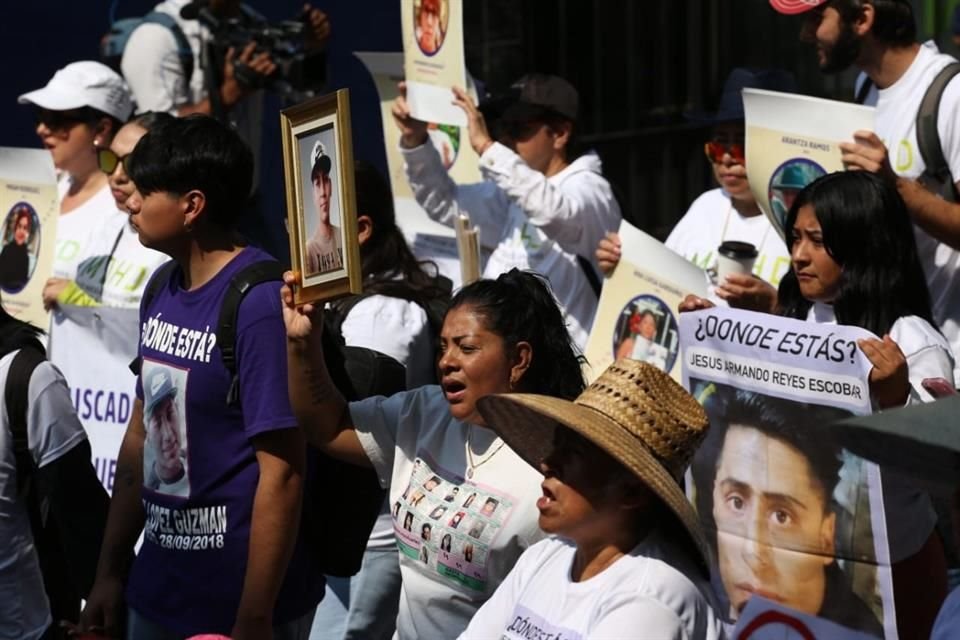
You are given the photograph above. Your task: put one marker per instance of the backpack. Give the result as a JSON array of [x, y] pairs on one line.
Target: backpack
[[66, 579], [936, 177], [115, 40], [358, 373]]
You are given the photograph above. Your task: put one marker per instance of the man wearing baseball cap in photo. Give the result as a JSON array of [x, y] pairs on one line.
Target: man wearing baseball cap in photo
[[879, 37], [627, 558], [78, 111], [541, 206], [324, 252]]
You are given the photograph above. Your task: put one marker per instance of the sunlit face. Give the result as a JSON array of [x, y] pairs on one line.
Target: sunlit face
[[730, 172], [68, 138], [765, 496], [163, 430], [473, 362], [123, 143], [21, 232], [158, 218], [322, 188], [818, 274], [577, 501]]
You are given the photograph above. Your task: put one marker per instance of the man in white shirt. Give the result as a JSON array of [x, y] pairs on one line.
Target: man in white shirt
[[879, 38], [540, 207]]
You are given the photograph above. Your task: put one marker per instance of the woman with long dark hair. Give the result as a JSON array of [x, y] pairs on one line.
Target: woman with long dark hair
[[498, 336], [854, 261], [398, 315]]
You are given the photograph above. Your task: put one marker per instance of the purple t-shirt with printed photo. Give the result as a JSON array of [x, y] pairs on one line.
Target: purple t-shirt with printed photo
[[200, 471]]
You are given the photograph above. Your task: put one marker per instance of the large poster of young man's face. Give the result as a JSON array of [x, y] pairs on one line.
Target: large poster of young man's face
[[786, 509]]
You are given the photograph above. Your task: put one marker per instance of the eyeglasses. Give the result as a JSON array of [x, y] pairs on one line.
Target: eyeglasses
[[107, 160], [715, 150]]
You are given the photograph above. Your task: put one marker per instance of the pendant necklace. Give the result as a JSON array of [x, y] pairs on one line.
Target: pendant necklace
[[471, 465]]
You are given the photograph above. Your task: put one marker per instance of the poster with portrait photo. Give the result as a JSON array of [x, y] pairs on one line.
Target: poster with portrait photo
[[433, 58], [791, 140], [321, 209], [790, 514], [165, 460], [428, 239], [637, 313], [29, 205]]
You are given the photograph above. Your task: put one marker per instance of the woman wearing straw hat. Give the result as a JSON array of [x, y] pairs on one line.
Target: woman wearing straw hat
[[629, 559], [498, 336]]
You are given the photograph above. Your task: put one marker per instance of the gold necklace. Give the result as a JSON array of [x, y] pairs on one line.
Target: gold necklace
[[471, 465]]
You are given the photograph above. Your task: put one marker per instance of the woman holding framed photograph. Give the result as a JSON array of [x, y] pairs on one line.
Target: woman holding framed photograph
[[498, 336]]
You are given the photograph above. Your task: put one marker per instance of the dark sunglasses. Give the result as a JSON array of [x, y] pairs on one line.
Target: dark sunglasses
[[60, 120], [715, 150], [107, 160]]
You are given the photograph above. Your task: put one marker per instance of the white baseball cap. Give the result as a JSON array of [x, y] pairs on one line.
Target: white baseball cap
[[84, 84]]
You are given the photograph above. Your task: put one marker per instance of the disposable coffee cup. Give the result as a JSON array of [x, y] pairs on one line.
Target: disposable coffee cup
[[734, 256]]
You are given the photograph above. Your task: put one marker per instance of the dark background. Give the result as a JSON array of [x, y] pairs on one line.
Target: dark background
[[639, 65]]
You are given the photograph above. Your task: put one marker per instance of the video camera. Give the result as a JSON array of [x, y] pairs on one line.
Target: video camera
[[301, 72]]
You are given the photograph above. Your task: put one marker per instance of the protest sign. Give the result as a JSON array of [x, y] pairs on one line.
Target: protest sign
[[93, 347], [637, 312], [791, 141], [433, 60], [429, 240], [792, 516], [30, 205]]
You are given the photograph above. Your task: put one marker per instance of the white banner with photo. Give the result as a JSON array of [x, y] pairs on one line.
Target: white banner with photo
[[93, 348], [791, 141], [792, 516], [637, 313], [30, 207]]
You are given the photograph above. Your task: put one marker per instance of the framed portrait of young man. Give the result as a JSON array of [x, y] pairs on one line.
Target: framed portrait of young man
[[321, 202]]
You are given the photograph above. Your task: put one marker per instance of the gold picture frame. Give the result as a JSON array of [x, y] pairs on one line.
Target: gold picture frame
[[321, 201]]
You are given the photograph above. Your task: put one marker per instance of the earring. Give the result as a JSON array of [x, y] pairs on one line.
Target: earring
[[187, 227]]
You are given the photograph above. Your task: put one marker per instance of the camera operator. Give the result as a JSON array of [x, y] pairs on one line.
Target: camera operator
[[156, 75]]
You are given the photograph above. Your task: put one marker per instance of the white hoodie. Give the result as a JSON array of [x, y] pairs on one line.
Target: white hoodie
[[529, 221]]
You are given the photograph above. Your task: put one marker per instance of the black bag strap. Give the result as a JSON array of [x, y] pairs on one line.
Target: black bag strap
[[241, 283], [16, 398], [864, 90], [936, 176], [159, 279]]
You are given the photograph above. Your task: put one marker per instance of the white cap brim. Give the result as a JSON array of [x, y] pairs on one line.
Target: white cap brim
[[51, 99]]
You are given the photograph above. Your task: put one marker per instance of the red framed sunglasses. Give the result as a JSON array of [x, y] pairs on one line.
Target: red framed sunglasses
[[716, 149]]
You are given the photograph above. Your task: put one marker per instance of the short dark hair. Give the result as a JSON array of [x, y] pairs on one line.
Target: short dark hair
[[893, 23], [519, 307], [868, 232], [196, 152], [783, 420]]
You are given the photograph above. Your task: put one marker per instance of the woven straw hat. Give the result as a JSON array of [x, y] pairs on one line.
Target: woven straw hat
[[634, 412]]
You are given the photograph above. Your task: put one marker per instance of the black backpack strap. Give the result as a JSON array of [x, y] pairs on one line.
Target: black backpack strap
[[936, 177], [241, 283], [159, 279], [16, 397], [864, 90]]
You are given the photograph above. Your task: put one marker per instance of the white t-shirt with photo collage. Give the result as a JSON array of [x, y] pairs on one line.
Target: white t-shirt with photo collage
[[458, 537]]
